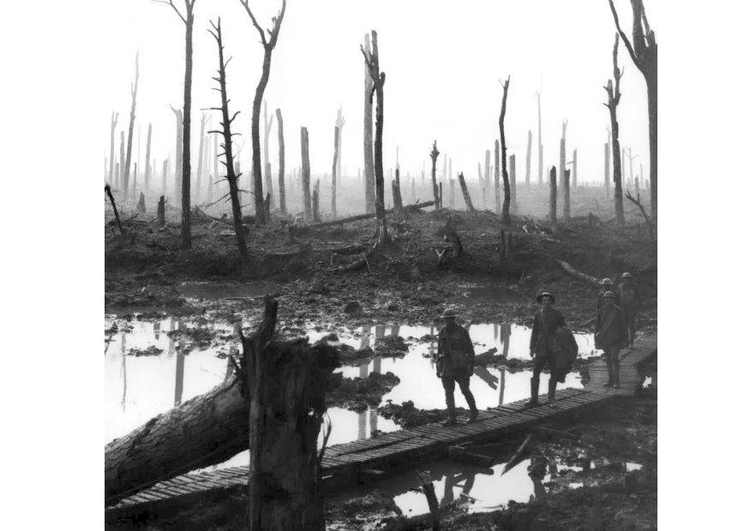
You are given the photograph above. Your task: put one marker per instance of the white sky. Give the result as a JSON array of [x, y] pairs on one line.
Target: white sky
[[442, 61]]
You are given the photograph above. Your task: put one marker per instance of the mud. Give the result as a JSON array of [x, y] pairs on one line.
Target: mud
[[357, 394]]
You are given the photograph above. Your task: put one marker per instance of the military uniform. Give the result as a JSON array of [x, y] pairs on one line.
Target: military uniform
[[544, 346], [455, 363], [630, 300], [610, 335]]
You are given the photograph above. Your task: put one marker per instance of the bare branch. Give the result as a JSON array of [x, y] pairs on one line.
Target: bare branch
[[171, 4], [624, 37]]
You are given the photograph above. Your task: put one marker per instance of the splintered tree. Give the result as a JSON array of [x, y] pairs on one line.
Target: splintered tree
[[505, 217], [133, 95], [553, 195], [369, 150], [334, 169], [613, 99], [121, 171], [178, 155], [269, 43], [112, 126], [513, 198], [267, 177], [307, 199], [434, 156], [340, 121], [282, 189], [147, 175], [372, 60], [563, 164], [226, 132], [643, 52], [497, 177], [188, 20], [199, 172], [465, 192]]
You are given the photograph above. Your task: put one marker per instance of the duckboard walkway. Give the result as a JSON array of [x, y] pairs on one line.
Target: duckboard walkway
[[386, 450]]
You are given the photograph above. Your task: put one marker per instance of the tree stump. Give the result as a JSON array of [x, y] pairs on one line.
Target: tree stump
[[160, 212]]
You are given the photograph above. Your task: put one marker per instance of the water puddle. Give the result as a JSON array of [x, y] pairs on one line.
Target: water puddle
[[152, 365]]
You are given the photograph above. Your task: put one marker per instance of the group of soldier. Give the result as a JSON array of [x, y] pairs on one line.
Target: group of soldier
[[552, 344]]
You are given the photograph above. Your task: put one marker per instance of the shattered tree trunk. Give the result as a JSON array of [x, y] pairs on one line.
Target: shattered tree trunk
[[178, 156], [187, 240], [315, 204], [112, 127], [201, 149], [282, 188], [613, 99], [553, 195], [340, 121], [334, 169], [133, 94], [505, 216], [564, 175], [528, 162], [305, 142], [435, 192], [160, 212], [121, 172], [575, 168], [465, 192], [164, 170], [487, 169], [108, 191], [267, 176], [398, 205], [497, 178], [368, 145], [566, 196]]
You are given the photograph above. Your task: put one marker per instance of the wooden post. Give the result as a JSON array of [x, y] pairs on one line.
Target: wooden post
[[306, 173], [465, 191], [528, 161], [497, 178], [553, 195], [282, 188], [513, 199], [336, 139]]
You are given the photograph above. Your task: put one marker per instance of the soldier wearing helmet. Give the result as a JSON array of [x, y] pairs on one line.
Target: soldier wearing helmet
[[544, 346], [604, 286], [630, 300], [455, 363], [611, 335]]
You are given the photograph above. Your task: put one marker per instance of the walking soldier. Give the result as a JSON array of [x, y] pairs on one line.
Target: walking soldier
[[610, 335], [544, 346], [630, 299], [604, 286], [455, 363]]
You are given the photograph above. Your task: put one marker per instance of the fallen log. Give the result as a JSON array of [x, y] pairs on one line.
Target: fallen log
[[211, 428], [408, 208], [578, 274]]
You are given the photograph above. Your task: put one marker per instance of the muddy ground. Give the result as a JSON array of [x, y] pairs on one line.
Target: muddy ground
[[404, 283]]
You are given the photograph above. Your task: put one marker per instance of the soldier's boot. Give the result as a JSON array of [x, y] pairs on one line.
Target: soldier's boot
[[551, 389], [473, 413], [616, 371], [611, 371], [451, 403], [534, 391]]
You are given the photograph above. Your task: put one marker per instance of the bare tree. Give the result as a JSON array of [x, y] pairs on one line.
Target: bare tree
[[147, 175], [187, 18], [497, 177], [613, 99], [505, 217], [305, 143], [465, 192], [372, 60], [178, 154], [112, 126], [340, 121], [369, 150], [553, 195], [333, 169], [643, 52], [513, 199], [269, 43], [121, 172], [226, 132], [434, 156], [282, 189], [199, 173], [133, 95]]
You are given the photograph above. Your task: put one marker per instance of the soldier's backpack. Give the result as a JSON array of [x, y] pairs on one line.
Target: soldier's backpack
[[567, 354]]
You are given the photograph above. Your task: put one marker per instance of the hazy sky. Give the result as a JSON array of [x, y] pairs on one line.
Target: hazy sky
[[442, 62]]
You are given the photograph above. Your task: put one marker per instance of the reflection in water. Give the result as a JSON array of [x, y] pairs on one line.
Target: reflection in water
[[157, 330], [179, 377], [233, 351], [502, 387]]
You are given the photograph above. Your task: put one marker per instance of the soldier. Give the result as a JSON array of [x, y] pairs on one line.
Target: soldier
[[544, 347], [455, 363], [630, 300], [610, 335], [604, 286]]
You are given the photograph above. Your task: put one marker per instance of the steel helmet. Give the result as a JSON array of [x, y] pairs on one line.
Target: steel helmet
[[606, 282], [627, 275], [610, 295]]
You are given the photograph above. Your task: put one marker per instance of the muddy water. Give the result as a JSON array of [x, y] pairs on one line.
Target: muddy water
[[189, 364]]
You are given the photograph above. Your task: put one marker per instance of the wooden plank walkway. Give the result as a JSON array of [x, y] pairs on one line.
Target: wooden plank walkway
[[391, 448]]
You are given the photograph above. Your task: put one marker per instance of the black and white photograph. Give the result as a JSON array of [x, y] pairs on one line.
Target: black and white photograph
[[388, 265]]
